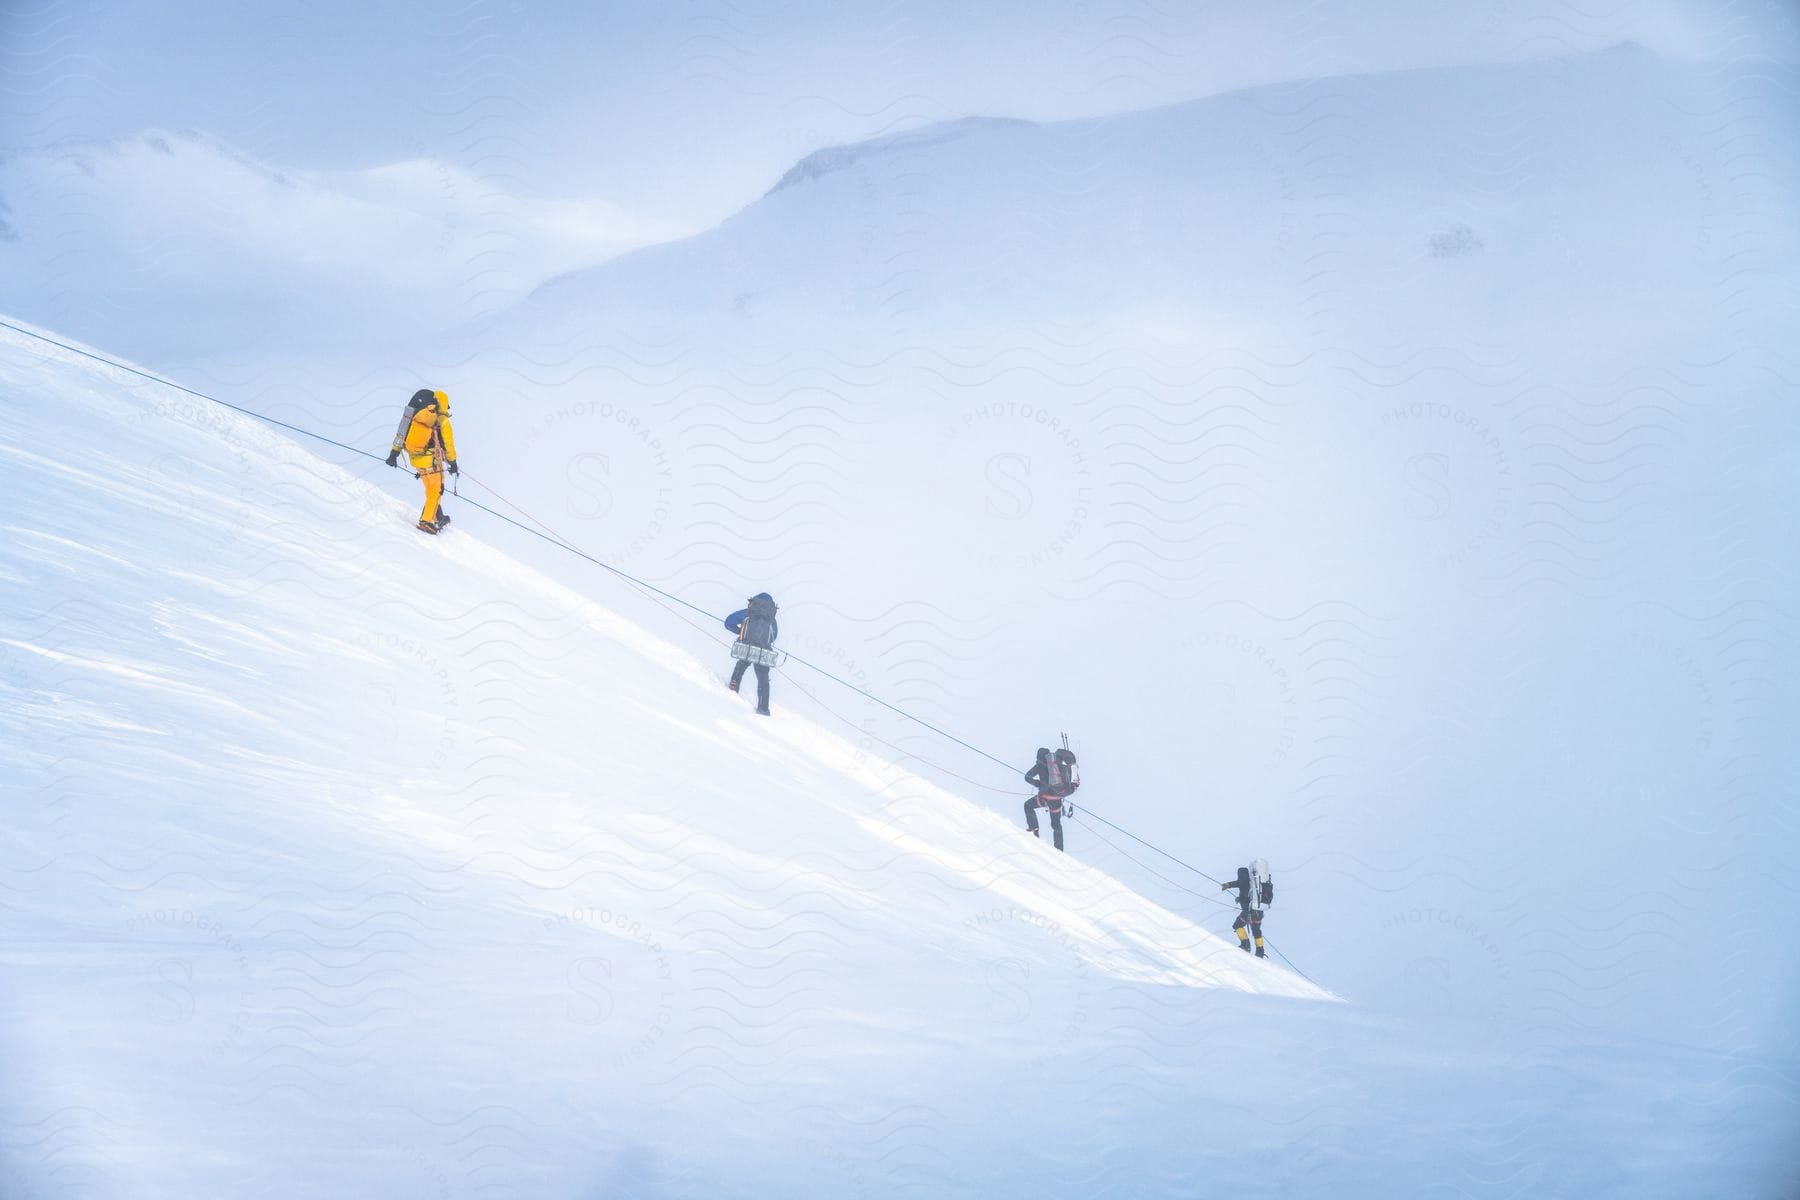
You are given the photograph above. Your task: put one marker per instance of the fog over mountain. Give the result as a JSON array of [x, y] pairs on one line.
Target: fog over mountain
[[1370, 441]]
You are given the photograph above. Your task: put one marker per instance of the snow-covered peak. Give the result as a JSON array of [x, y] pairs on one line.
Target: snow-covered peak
[[1402, 207], [829, 159]]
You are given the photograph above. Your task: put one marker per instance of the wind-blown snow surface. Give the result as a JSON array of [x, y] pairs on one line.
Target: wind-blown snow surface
[[342, 861]]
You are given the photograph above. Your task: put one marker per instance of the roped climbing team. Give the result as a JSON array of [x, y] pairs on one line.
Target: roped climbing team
[[428, 440]]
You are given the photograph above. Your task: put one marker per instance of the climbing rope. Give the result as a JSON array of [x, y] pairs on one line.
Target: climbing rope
[[898, 749], [543, 531]]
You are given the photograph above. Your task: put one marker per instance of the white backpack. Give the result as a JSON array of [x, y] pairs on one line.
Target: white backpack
[[1262, 885]]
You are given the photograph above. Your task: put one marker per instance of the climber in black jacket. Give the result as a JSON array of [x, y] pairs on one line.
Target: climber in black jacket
[[1054, 777], [1256, 891], [755, 623]]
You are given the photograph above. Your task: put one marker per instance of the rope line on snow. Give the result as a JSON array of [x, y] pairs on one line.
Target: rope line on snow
[[170, 383], [1140, 841], [898, 749], [1150, 870], [788, 657], [358, 450], [547, 534], [1296, 970]]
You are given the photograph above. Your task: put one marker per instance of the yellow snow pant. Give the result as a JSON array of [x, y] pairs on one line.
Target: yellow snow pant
[[431, 473]]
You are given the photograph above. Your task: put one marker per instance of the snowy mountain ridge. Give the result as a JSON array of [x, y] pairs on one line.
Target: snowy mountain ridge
[[830, 159]]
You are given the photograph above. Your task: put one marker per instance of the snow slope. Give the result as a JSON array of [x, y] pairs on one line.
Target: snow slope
[[343, 861]]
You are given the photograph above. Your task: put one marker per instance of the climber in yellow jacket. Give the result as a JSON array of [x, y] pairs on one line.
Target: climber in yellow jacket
[[428, 442]]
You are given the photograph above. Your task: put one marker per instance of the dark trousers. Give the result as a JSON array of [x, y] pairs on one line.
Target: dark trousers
[[1031, 822], [762, 681]]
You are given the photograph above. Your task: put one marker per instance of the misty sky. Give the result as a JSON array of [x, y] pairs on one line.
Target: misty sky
[[685, 111]]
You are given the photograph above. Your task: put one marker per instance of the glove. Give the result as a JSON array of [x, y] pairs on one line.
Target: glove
[[453, 468], [393, 459]]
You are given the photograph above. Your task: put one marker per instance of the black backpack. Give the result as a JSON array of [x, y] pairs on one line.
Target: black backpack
[[759, 620], [1264, 879]]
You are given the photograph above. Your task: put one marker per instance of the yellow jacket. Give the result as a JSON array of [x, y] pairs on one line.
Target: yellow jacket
[[425, 432]]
